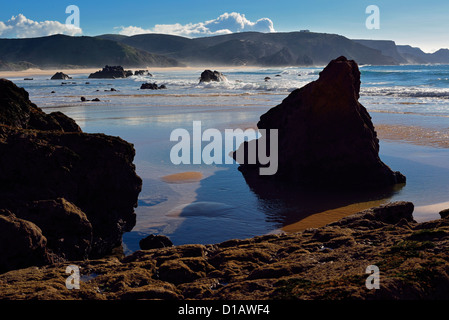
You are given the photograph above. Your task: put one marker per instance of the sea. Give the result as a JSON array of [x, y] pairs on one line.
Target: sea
[[211, 203]]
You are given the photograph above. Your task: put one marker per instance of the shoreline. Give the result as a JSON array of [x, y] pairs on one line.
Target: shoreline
[[50, 72]]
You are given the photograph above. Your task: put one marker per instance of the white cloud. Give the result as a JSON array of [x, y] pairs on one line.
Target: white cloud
[[21, 27], [224, 24]]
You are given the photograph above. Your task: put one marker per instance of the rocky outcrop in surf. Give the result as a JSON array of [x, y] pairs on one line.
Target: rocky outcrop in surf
[[326, 263], [60, 76], [209, 75], [111, 72], [326, 137]]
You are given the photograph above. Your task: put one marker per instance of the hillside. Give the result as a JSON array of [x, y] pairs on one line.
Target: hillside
[[254, 48], [236, 49], [387, 47], [60, 50]]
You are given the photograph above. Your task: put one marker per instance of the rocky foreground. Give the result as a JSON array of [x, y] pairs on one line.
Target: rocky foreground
[[64, 194], [324, 263]]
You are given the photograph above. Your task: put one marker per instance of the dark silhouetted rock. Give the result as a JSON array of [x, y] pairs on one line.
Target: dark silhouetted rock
[[111, 72], [16, 110], [209, 75], [96, 100], [267, 78], [80, 189], [83, 99], [154, 242], [152, 86], [60, 76], [326, 137], [444, 213]]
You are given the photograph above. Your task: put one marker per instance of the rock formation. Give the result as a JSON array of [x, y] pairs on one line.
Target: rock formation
[[111, 72], [60, 76], [72, 194], [325, 136], [327, 263], [209, 75]]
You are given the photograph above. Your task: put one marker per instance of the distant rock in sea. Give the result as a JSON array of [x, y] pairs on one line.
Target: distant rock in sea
[[60, 76], [111, 72], [64, 194], [326, 137], [152, 86], [209, 75], [142, 73]]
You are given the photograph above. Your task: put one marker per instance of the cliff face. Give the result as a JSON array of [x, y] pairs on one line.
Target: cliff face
[[325, 136], [75, 191]]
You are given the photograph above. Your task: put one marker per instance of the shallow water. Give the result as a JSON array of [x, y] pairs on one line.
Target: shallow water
[[213, 203]]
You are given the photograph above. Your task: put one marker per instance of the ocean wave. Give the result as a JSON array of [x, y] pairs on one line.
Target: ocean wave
[[406, 92]]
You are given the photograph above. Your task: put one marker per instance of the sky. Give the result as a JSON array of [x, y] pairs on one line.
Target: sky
[[423, 24]]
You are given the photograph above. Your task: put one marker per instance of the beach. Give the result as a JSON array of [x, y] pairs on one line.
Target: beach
[[213, 203]]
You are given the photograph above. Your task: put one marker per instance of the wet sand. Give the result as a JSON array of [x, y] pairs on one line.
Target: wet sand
[[48, 72], [183, 177], [323, 218]]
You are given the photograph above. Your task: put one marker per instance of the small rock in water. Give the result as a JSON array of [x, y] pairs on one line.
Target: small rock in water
[[60, 76], [444, 213], [154, 242], [142, 73], [152, 86], [209, 75]]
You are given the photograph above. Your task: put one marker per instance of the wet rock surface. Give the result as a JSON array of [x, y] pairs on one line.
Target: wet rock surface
[[323, 263]]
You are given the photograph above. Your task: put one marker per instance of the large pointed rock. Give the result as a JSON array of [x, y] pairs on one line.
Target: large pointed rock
[[326, 137]]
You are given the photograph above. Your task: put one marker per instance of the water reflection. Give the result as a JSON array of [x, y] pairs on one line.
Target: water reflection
[[296, 208]]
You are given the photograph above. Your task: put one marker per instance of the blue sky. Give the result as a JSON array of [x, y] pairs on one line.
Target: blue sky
[[419, 23]]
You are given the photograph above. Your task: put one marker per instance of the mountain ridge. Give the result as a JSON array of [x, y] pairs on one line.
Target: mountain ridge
[[62, 50], [277, 49]]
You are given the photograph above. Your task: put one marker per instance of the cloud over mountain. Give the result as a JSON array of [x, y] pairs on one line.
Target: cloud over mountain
[[21, 27], [224, 24]]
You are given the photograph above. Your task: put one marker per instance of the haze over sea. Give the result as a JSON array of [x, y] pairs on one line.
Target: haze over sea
[[409, 106]]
